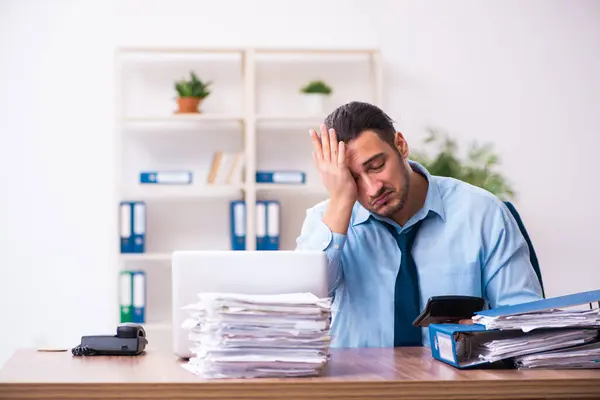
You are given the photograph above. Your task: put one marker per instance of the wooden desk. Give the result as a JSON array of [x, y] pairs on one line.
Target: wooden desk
[[352, 374]]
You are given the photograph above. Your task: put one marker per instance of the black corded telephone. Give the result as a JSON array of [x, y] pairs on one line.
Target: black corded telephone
[[130, 340]]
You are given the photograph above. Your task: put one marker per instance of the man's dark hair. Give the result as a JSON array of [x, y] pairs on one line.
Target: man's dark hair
[[351, 119]]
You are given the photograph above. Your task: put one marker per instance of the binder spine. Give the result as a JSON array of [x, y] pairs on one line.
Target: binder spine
[[273, 225], [166, 177], [126, 227], [443, 346], [287, 177], [261, 225], [139, 296], [139, 227], [126, 296], [238, 224]]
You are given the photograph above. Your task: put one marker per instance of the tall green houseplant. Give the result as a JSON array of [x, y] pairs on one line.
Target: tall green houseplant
[[478, 168]]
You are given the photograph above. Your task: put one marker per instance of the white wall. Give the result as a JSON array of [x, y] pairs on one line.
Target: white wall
[[523, 74]]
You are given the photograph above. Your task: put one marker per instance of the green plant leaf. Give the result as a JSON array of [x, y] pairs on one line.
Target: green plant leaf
[[193, 88], [477, 169], [317, 86]]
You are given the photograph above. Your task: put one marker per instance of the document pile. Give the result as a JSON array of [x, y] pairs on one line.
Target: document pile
[[554, 318], [561, 332], [586, 356], [249, 336], [509, 347]]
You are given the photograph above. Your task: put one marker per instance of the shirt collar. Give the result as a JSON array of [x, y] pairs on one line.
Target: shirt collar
[[433, 200]]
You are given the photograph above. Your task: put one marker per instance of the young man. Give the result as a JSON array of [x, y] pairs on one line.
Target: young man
[[395, 235]]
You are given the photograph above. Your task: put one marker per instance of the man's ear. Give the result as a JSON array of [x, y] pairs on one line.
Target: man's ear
[[401, 144]]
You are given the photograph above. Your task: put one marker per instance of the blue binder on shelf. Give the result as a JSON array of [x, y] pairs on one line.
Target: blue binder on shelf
[[454, 343], [273, 225], [133, 226], [139, 296], [238, 224], [126, 228], [285, 177], [139, 227], [166, 177], [261, 225]]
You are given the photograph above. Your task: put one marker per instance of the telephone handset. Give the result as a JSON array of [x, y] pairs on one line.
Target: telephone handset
[[130, 340]]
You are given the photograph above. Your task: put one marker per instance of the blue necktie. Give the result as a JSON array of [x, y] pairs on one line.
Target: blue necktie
[[406, 296]]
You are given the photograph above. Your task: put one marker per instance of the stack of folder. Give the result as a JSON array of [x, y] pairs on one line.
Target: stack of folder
[[251, 336], [586, 357], [561, 332]]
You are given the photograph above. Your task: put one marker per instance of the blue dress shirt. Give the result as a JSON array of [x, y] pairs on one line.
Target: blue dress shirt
[[468, 244]]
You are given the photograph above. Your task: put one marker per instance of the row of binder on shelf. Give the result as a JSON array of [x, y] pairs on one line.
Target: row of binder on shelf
[[227, 168], [132, 296], [133, 216], [219, 176], [268, 215]]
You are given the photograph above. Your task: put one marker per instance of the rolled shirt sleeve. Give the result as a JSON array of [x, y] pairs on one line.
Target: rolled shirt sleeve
[[508, 275], [316, 235]]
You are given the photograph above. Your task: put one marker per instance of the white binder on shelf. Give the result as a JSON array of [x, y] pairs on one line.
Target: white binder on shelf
[[238, 224], [139, 227], [261, 225], [126, 228], [139, 296], [273, 225]]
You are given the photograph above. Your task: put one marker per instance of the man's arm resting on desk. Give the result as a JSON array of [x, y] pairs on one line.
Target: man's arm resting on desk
[[316, 234], [508, 276]]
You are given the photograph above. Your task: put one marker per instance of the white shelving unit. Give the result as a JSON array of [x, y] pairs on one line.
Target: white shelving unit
[[255, 107]]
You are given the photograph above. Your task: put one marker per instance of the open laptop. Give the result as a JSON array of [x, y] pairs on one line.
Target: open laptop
[[246, 272]]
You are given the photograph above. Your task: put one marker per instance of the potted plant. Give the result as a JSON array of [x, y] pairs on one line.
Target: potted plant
[[191, 93], [316, 92], [479, 167]]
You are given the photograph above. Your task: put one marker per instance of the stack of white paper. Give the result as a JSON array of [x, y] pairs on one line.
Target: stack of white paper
[[246, 336], [586, 356], [523, 344], [542, 319]]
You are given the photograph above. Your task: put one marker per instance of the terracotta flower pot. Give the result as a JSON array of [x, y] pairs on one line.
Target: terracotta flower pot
[[188, 104]]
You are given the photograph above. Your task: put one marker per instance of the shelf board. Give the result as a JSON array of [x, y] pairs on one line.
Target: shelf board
[[175, 50], [222, 118], [300, 119], [285, 187], [184, 118], [175, 192], [316, 50], [146, 256], [239, 50]]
